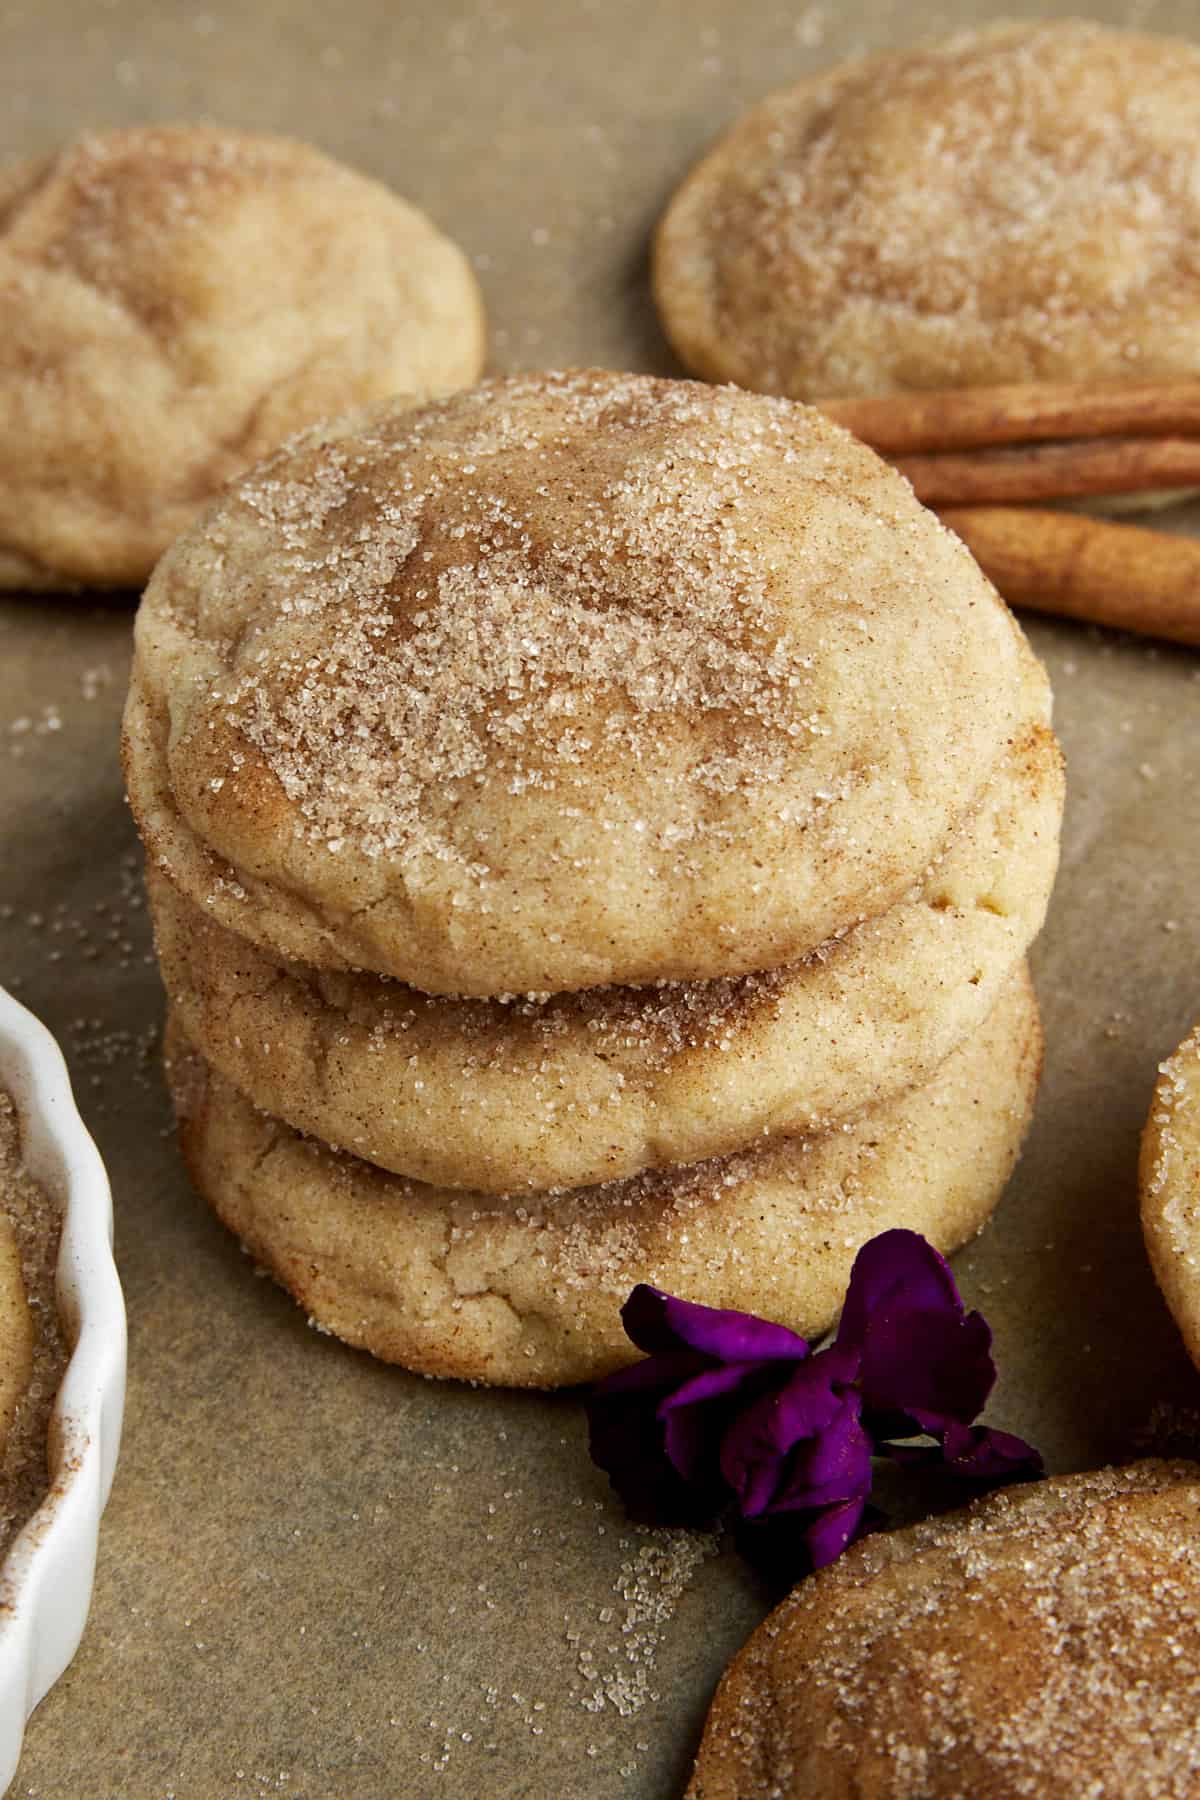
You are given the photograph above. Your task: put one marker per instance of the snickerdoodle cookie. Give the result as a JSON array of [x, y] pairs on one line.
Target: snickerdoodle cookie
[[1009, 204], [174, 302], [599, 1084], [1044, 1642], [526, 1290], [1170, 1187], [566, 680]]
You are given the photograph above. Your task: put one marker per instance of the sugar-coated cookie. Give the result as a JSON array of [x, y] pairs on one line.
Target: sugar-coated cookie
[[526, 1290], [1044, 1643], [1170, 1187], [566, 680], [1012, 204], [174, 302], [599, 1084]]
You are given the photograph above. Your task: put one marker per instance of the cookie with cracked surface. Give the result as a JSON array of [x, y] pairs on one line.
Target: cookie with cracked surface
[[1046, 1641], [525, 1291], [600, 1084], [1017, 203], [567, 680], [175, 301], [1169, 1180]]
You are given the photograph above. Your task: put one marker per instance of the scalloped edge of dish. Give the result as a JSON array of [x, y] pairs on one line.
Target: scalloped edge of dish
[[46, 1578]]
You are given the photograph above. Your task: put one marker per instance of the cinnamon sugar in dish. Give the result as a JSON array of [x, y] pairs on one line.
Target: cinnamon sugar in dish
[[31, 1339]]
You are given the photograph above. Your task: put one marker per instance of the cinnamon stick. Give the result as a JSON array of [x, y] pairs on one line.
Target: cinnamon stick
[[1057, 562], [967, 418], [1124, 465]]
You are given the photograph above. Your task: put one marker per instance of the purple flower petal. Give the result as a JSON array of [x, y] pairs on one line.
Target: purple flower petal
[[833, 1531], [730, 1409], [784, 1547], [800, 1439], [656, 1321], [922, 1356], [692, 1429], [712, 1382], [656, 1428], [625, 1438], [979, 1453], [826, 1470], [936, 1367], [756, 1443], [896, 1265], [661, 1373]]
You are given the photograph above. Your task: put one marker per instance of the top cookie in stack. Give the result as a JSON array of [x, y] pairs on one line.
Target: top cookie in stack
[[579, 776], [561, 682]]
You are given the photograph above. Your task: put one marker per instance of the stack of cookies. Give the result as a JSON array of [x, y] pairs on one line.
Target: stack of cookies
[[595, 826]]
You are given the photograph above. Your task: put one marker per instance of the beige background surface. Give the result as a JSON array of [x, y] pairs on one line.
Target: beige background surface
[[321, 1577]]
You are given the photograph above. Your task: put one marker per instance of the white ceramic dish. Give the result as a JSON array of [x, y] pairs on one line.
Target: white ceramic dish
[[46, 1578]]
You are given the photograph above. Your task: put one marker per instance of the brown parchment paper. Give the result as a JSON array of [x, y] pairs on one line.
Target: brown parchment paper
[[322, 1577]]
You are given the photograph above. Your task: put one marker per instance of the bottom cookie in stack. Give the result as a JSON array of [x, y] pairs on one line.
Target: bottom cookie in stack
[[526, 1290]]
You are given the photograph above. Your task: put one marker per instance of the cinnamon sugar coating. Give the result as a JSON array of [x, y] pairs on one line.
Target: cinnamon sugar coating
[[33, 1354], [1169, 1180], [564, 681], [1010, 204], [16, 1331], [599, 1084], [1046, 1641], [174, 302], [525, 1290]]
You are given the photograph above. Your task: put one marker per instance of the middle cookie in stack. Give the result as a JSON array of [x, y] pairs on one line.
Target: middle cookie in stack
[[663, 724]]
